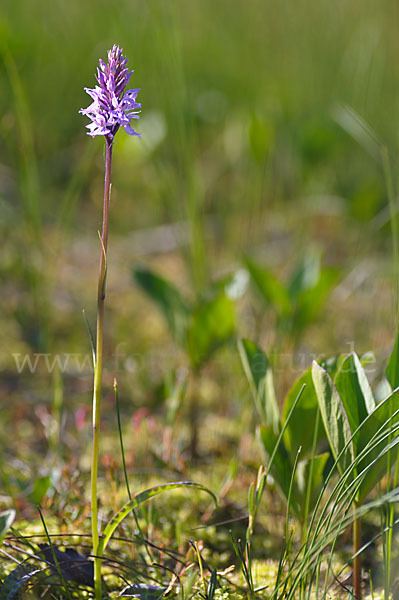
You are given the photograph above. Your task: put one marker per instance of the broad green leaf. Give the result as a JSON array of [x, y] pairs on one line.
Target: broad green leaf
[[210, 325], [269, 287], [281, 469], [355, 392], [7, 518], [139, 499], [299, 431], [297, 434], [334, 417], [331, 364], [392, 370], [260, 377], [314, 467], [168, 299]]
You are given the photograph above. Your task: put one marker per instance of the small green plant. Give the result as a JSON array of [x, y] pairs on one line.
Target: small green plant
[[283, 437], [199, 328], [359, 432], [297, 303]]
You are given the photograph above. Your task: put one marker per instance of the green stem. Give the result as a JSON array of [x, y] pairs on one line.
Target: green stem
[[98, 367]]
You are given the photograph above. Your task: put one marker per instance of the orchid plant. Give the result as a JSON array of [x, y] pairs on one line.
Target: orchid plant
[[113, 107]]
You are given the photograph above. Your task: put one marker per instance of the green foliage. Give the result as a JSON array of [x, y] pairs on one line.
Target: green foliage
[[298, 302], [334, 418], [284, 436], [211, 324], [358, 430], [139, 499], [260, 377], [200, 328], [168, 299], [272, 291], [305, 412], [282, 468]]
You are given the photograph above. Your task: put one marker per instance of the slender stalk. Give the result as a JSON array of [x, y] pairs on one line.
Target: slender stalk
[[98, 367]]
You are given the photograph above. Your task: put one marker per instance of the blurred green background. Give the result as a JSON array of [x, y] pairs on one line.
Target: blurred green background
[[250, 147]]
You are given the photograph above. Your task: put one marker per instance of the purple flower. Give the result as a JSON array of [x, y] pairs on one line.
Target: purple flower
[[112, 107]]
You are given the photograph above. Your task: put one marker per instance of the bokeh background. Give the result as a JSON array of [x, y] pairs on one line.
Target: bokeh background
[[262, 128]]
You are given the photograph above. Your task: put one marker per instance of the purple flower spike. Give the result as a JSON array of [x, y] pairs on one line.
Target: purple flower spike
[[112, 107]]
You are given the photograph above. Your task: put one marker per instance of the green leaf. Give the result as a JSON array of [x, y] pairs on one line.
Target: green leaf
[[310, 301], [260, 377], [168, 299], [392, 370], [380, 420], [315, 467], [355, 392], [40, 489], [281, 468], [139, 499], [7, 518], [269, 287], [210, 326], [305, 412], [334, 417]]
